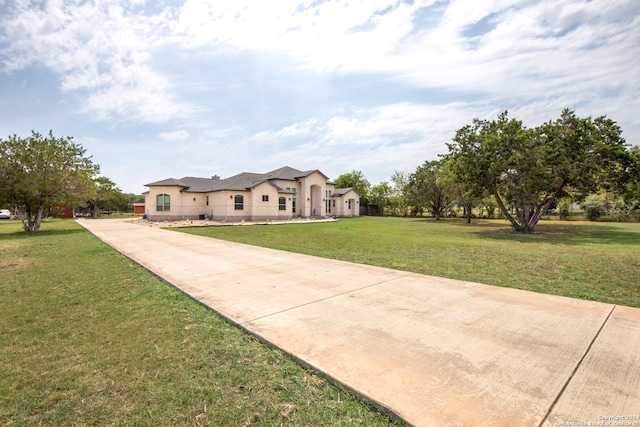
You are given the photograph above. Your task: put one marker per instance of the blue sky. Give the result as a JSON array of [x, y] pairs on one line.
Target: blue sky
[[159, 89]]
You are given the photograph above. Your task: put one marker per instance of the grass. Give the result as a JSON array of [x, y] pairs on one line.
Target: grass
[[594, 261], [88, 337]]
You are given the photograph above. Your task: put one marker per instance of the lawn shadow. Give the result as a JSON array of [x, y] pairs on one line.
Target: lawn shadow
[[44, 232], [566, 234]]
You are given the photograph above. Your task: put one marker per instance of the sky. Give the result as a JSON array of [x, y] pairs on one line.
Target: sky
[[165, 89]]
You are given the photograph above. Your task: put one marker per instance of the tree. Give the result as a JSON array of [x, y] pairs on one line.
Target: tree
[[357, 181], [380, 197], [399, 199], [527, 170], [106, 197], [631, 189], [465, 194], [39, 173], [427, 188]]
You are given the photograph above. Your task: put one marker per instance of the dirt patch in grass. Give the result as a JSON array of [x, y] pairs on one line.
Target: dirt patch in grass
[[14, 263]]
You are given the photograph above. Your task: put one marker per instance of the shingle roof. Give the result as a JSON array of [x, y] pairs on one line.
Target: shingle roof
[[167, 182], [241, 182], [342, 191], [286, 172], [197, 185]]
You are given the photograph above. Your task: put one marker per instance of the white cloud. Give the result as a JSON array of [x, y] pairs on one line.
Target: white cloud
[[178, 135], [377, 140], [520, 49], [358, 84], [101, 49]]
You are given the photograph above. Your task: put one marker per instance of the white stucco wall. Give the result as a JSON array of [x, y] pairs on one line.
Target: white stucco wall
[[310, 194], [176, 210], [264, 209], [222, 206], [309, 200], [342, 204]]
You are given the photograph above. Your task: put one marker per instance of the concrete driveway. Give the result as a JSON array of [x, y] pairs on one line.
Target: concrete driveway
[[433, 351]]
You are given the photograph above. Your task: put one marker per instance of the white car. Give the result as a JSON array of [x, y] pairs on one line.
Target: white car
[[5, 214]]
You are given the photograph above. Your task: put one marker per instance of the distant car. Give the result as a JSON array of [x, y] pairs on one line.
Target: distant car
[[5, 214]]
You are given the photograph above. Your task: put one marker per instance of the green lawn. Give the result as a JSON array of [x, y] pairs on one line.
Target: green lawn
[[88, 337], [595, 261]]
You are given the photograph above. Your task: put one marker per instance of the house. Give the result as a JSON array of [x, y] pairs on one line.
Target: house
[[281, 194]]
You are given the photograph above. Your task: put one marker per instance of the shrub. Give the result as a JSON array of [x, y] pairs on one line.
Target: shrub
[[594, 207], [564, 208]]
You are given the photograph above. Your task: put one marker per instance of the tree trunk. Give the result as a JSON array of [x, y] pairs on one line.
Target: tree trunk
[[467, 211], [504, 211], [32, 223], [38, 218]]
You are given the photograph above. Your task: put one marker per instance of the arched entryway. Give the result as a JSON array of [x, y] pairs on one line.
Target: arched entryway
[[316, 201]]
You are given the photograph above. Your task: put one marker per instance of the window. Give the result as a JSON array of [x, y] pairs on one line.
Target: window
[[207, 200], [265, 197], [239, 203], [282, 203], [293, 205], [163, 203], [349, 203]]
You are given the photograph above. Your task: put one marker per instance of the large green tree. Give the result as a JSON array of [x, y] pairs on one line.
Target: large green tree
[[41, 172], [428, 188], [106, 197], [380, 197], [399, 200], [632, 190], [527, 170], [465, 194], [357, 181]]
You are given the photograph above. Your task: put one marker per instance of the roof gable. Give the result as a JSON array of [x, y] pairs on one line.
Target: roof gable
[[342, 191], [289, 173], [169, 182], [241, 182], [284, 172]]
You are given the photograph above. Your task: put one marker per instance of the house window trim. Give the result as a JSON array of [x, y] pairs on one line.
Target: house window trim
[[165, 204], [238, 202], [282, 203]]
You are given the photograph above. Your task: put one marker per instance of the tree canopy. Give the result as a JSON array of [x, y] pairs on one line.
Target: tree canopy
[[356, 180], [427, 188], [41, 172], [107, 196], [527, 170]]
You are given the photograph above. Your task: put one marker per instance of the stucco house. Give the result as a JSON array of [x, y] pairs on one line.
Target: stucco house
[[281, 194]]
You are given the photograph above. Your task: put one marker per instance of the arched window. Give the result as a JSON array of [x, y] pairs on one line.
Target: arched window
[[163, 203], [239, 203]]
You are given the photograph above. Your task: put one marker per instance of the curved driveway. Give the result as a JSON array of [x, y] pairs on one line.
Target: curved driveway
[[433, 351]]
